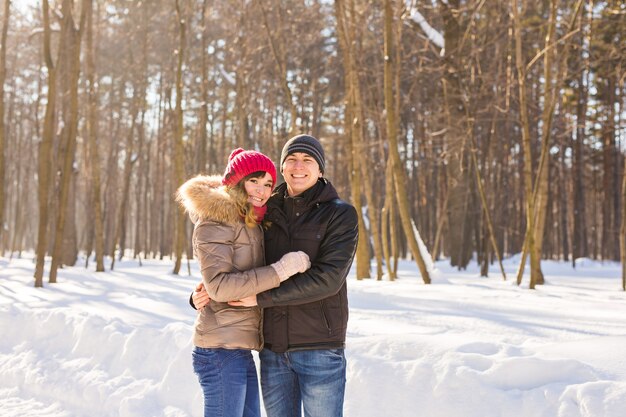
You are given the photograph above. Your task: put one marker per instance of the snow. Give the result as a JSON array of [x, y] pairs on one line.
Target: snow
[[227, 76], [118, 343], [431, 33], [423, 250]]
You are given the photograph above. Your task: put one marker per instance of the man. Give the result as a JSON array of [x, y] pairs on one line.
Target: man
[[305, 319]]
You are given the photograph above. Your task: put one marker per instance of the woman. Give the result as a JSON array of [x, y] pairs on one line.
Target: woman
[[228, 242]]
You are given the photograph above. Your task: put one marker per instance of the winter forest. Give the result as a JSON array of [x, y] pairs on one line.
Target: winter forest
[[474, 129]]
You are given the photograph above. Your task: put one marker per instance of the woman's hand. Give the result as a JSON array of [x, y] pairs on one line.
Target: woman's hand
[[290, 264], [244, 302], [200, 297]]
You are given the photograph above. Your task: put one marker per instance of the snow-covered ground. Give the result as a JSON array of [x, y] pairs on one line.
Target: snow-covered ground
[[118, 343]]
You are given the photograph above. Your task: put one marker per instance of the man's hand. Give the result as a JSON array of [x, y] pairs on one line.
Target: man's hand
[[200, 297], [244, 302]]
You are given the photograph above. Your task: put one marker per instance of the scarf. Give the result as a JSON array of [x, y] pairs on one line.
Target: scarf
[[259, 213]]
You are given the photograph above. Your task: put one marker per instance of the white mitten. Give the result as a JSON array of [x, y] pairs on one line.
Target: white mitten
[[290, 264]]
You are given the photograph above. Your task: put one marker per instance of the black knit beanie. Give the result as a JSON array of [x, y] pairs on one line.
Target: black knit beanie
[[305, 144]]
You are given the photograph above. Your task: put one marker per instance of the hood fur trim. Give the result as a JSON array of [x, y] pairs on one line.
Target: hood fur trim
[[205, 198]]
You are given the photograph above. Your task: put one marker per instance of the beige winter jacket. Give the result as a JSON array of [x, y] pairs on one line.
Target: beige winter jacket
[[231, 259]]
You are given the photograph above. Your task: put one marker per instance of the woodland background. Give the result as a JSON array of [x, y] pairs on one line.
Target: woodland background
[[492, 127]]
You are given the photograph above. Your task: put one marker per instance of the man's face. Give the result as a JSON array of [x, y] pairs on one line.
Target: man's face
[[301, 172]]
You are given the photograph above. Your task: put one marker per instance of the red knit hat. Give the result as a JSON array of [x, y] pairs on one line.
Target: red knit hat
[[243, 163]]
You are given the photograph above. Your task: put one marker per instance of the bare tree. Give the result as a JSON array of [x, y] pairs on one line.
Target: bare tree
[[526, 142], [353, 128], [72, 36], [45, 149], [178, 173], [447, 121], [201, 149], [278, 52], [622, 233], [3, 59], [94, 152], [398, 173], [539, 191]]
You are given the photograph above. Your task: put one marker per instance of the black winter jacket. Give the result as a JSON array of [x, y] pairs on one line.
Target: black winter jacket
[[309, 310]]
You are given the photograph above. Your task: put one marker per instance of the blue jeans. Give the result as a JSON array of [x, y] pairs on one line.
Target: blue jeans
[[229, 382], [311, 379]]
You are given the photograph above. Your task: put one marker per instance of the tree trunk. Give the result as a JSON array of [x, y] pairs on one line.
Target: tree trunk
[[162, 216], [111, 195], [69, 243], [439, 231], [68, 136], [458, 179], [362, 154], [485, 205], [179, 168], [550, 100], [3, 59], [140, 198], [17, 213], [352, 117], [45, 150], [141, 154], [563, 203], [23, 177], [399, 174], [527, 149], [201, 148], [93, 151], [622, 232], [122, 212], [540, 200], [579, 238], [388, 226], [610, 186], [241, 98]]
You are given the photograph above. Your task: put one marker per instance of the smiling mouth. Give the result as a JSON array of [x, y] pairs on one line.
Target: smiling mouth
[[255, 198]]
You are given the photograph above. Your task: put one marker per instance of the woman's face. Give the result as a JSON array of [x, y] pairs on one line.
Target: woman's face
[[259, 189]]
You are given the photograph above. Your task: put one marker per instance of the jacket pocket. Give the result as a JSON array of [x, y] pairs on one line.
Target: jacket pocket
[[229, 316], [308, 239], [312, 323], [325, 317], [306, 232]]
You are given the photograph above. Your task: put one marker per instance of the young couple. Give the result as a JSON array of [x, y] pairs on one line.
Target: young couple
[[274, 267]]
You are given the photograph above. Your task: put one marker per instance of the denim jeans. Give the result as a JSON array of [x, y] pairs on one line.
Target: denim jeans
[[311, 379], [229, 381]]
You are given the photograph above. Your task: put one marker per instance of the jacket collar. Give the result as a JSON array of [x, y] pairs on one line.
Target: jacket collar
[[205, 198], [321, 192]]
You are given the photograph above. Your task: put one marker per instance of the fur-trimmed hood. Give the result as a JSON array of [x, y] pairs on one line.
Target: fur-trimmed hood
[[205, 198]]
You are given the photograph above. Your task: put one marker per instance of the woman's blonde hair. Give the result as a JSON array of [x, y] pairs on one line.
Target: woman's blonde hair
[[240, 196]]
